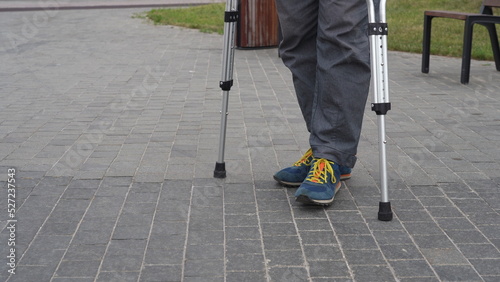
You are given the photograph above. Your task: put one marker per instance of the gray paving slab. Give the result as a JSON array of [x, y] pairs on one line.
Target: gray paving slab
[[111, 124]]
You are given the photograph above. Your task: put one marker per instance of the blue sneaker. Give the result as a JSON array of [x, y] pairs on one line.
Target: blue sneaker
[[321, 184], [295, 174], [345, 172]]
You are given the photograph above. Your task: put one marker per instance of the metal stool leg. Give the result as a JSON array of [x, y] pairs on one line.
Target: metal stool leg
[[494, 44], [466, 51], [426, 43]]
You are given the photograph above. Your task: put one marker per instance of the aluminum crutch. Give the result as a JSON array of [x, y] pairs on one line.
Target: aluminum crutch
[[230, 19], [377, 31]]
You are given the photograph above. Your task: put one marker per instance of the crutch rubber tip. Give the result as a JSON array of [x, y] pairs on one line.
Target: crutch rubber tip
[[384, 211], [220, 170]]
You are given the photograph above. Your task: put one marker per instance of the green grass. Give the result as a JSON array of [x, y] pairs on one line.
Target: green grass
[[405, 19], [207, 18]]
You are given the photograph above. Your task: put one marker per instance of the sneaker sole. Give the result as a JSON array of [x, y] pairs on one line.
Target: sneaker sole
[[308, 201], [297, 184], [345, 176], [286, 183]]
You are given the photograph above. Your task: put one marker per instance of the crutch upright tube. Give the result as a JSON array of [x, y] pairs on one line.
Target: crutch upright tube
[[377, 31], [230, 19]]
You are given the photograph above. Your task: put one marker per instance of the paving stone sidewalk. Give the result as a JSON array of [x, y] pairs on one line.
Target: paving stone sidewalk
[[112, 125], [58, 5]]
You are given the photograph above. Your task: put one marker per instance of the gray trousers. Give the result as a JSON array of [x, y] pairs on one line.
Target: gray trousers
[[326, 47]]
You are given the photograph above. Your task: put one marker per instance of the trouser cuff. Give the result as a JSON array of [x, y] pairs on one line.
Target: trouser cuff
[[338, 157]]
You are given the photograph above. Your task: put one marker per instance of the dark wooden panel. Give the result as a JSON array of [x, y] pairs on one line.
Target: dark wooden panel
[[258, 24]]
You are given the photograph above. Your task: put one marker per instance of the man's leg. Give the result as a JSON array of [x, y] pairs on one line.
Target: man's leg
[[342, 83], [326, 47], [299, 23], [342, 80]]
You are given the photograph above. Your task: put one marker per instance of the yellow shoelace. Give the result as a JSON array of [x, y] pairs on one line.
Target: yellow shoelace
[[320, 170], [305, 158]]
